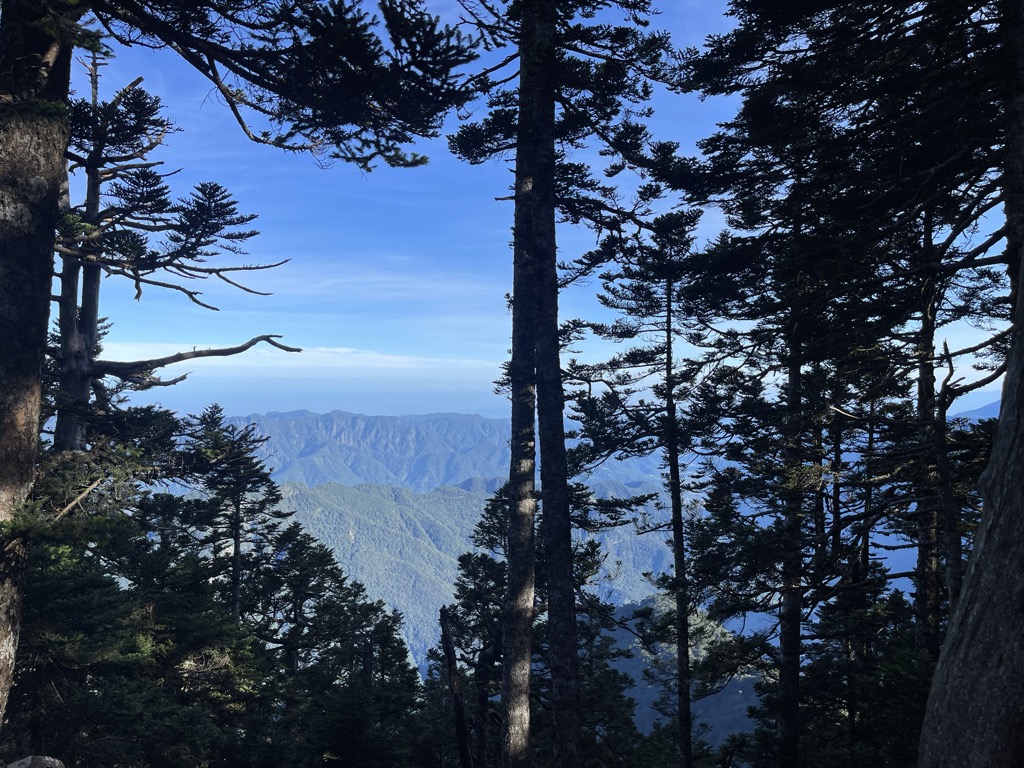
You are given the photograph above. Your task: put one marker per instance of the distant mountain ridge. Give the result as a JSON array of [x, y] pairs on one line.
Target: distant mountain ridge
[[396, 497], [415, 452], [990, 411]]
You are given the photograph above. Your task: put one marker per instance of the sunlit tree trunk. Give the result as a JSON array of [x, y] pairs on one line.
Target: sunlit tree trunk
[[520, 554]]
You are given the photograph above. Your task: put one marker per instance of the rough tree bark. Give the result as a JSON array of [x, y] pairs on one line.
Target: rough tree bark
[[517, 633], [684, 714], [455, 684], [975, 713], [538, 75], [791, 605], [517, 621], [34, 79]]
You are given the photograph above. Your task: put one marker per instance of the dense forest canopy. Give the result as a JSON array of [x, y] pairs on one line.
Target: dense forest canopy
[[795, 375]]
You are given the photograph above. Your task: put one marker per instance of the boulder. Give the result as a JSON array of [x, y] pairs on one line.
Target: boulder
[[37, 761]]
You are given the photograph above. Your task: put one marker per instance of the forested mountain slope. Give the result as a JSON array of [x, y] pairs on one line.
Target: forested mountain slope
[[401, 544], [416, 452], [404, 545], [396, 497]]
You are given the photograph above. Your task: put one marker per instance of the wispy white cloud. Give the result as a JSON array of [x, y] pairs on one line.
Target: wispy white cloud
[[323, 379], [315, 361], [333, 359], [376, 277]]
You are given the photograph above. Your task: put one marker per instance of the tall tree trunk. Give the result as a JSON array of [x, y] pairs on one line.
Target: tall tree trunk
[[75, 364], [529, 241], [537, 126], [938, 511], [927, 580], [455, 685], [236, 560], [975, 714], [517, 620], [791, 610], [34, 77], [482, 706], [949, 507], [670, 430], [78, 319]]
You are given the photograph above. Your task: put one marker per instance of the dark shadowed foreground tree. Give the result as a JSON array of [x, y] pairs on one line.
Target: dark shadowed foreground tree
[[975, 712], [907, 111], [316, 75], [148, 642], [949, 150]]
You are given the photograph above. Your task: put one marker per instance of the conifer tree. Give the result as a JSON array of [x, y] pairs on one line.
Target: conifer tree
[[619, 419], [369, 98], [343, 683], [608, 734], [865, 682], [136, 652], [112, 233], [240, 514], [775, 396], [909, 210], [920, 111], [130, 655], [575, 80]]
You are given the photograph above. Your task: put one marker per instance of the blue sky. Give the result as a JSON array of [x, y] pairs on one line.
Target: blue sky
[[396, 281]]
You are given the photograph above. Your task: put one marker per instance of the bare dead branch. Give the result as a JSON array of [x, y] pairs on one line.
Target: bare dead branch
[[75, 502], [140, 370]]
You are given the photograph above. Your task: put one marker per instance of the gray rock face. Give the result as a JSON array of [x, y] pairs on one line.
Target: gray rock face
[[37, 761]]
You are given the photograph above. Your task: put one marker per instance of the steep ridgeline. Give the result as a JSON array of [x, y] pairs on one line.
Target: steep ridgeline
[[397, 496], [990, 411], [415, 452], [404, 546], [396, 499]]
